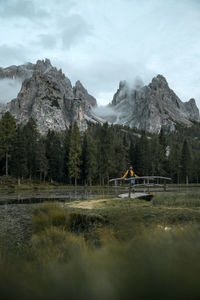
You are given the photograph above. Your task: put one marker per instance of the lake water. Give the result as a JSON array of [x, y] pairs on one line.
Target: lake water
[[11, 197], [16, 208]]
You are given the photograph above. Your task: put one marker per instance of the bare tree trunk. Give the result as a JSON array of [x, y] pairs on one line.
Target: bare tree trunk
[[18, 181], [6, 164]]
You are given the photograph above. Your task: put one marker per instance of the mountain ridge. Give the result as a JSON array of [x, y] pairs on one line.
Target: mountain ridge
[[152, 106], [48, 96]]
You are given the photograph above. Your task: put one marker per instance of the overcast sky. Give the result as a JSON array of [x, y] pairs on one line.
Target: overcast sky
[[101, 42]]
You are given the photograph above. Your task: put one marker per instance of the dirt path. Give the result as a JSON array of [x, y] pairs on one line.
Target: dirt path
[[90, 204]]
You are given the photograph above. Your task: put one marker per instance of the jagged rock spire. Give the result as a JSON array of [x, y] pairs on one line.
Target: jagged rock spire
[[48, 97], [153, 106]]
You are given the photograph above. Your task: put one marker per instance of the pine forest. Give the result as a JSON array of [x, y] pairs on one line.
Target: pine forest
[[98, 154]]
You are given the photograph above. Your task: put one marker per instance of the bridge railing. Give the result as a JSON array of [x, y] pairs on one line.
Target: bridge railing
[[147, 181]]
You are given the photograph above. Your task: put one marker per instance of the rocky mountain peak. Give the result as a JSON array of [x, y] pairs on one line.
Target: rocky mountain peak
[[81, 93], [159, 82], [48, 97], [122, 84], [152, 107], [42, 65], [25, 71], [192, 109], [121, 93]]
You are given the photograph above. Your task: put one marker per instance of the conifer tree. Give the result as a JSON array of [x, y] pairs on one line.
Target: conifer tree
[[195, 168], [133, 154], [142, 162], [54, 154], [66, 140], [75, 150], [31, 136], [174, 163], [106, 153], [156, 157], [89, 159], [7, 133], [18, 156], [162, 141], [41, 160], [121, 159], [186, 161]]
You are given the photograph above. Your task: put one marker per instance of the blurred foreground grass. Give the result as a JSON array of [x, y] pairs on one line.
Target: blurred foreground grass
[[123, 249]]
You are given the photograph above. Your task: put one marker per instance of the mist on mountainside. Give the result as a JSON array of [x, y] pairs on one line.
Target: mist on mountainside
[[9, 89], [106, 112], [126, 90]]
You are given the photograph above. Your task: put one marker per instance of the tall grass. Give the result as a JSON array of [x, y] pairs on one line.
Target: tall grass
[[154, 260], [157, 264], [47, 215], [177, 199]]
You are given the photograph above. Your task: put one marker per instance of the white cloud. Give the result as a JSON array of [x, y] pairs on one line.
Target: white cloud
[[104, 97], [21, 9], [9, 89], [102, 42], [47, 40], [75, 28], [12, 54]]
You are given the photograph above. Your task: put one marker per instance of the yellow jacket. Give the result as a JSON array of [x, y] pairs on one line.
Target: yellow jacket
[[130, 173]]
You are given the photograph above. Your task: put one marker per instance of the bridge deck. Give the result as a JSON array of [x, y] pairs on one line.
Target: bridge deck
[[136, 195]]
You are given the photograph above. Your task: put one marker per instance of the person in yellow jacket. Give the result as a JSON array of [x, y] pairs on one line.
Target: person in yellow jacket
[[130, 174]]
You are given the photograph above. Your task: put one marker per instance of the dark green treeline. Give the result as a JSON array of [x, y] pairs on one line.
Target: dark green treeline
[[100, 153]]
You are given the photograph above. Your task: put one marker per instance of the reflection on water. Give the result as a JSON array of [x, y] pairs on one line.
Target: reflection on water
[[15, 219], [10, 197], [63, 196]]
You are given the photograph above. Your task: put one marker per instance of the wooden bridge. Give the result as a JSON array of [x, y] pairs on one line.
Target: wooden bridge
[[147, 181]]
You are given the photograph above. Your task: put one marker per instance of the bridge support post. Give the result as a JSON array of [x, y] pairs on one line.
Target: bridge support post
[[129, 192]]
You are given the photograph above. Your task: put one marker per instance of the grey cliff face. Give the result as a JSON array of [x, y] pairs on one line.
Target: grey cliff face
[[192, 109], [49, 98], [25, 71], [81, 93], [153, 106]]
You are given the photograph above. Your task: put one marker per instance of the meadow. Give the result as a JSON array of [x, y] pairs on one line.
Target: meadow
[[111, 249]]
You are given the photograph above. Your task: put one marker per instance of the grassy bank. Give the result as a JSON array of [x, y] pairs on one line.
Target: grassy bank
[[8, 184], [113, 249], [11, 184]]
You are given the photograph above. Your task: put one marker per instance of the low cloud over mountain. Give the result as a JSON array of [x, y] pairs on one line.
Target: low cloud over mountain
[[44, 93]]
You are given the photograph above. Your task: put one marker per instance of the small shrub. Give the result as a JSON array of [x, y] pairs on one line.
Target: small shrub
[[56, 245], [79, 222], [48, 215]]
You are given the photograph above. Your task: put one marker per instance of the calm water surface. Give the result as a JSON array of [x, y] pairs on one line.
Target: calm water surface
[[16, 208]]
